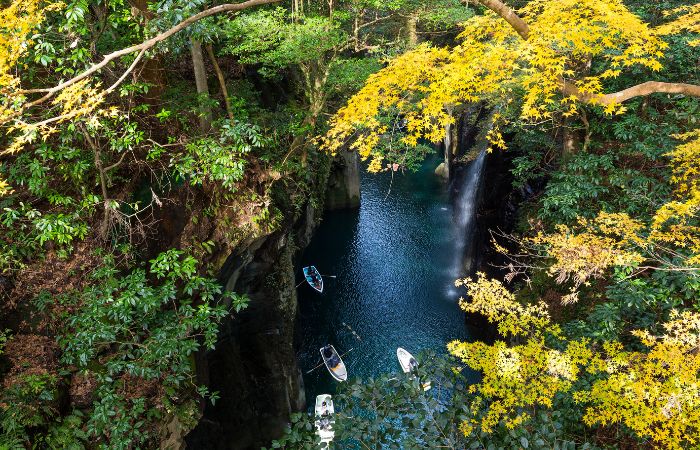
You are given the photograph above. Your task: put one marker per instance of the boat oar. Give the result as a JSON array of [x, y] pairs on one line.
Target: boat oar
[[308, 372], [322, 363], [300, 283], [329, 276]]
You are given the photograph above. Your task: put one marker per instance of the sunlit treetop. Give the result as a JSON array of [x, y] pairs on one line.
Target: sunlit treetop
[[652, 391], [539, 62], [17, 22], [687, 18], [669, 239]]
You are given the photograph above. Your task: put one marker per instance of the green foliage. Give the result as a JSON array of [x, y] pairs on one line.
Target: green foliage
[[348, 75], [271, 39], [219, 160], [573, 191], [152, 321], [56, 175], [30, 402], [392, 411], [440, 15]]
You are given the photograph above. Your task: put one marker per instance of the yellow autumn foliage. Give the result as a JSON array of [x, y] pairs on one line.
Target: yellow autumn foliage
[[610, 240], [687, 19], [655, 393], [492, 62], [580, 256], [17, 21], [492, 300]]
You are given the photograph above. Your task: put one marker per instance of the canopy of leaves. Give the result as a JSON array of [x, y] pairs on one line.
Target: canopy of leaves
[[520, 71], [271, 39]]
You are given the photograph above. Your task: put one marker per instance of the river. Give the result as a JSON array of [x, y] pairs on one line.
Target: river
[[393, 262]]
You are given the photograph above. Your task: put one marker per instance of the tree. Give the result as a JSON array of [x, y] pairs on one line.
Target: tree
[[549, 63], [120, 337], [200, 76], [80, 95], [308, 45], [651, 391]]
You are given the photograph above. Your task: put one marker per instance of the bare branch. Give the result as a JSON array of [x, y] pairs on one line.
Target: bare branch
[[143, 46], [126, 72], [116, 164], [568, 88], [507, 14]]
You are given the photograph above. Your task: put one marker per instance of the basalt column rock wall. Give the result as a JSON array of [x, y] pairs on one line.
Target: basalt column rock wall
[[344, 182], [253, 367], [494, 205]]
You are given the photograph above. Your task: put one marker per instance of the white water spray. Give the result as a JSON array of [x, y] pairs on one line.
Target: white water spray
[[466, 205]]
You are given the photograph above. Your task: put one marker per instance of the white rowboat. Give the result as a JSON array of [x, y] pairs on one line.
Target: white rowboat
[[324, 418], [406, 360], [409, 365], [333, 363], [313, 277]]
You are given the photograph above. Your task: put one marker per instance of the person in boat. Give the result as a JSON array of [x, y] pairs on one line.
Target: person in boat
[[412, 365], [327, 352], [332, 358], [315, 279]]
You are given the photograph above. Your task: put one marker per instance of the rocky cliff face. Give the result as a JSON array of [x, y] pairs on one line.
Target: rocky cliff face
[[254, 367], [496, 203], [344, 182]]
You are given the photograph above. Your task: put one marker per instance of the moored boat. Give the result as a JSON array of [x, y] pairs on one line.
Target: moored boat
[[333, 363], [409, 365], [406, 360], [313, 277], [324, 418]]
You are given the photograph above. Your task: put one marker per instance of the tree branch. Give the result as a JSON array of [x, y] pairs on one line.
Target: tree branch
[[507, 14], [145, 45], [126, 72], [641, 90], [569, 88], [116, 164]]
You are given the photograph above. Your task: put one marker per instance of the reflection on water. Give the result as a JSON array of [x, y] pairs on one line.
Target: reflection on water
[[393, 262]]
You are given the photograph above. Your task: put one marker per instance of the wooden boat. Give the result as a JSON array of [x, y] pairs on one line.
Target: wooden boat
[[409, 365], [324, 418], [406, 360], [313, 277], [333, 363]]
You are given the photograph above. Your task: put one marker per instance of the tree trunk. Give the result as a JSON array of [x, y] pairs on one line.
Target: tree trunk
[[101, 173], [200, 77], [152, 71], [222, 81], [412, 31], [571, 140], [356, 32]]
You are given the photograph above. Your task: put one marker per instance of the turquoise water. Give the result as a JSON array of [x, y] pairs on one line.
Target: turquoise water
[[393, 261]]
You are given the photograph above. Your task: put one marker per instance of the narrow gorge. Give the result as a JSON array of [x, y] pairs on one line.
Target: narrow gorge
[[490, 210]]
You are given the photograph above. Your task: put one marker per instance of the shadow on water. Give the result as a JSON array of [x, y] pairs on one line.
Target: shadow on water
[[394, 262]]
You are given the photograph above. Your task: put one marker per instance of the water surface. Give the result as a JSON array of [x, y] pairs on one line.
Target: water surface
[[393, 259]]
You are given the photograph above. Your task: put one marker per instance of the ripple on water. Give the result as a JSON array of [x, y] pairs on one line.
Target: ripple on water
[[394, 284]]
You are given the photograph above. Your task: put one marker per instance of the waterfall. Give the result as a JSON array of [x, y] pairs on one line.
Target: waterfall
[[465, 206]]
